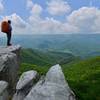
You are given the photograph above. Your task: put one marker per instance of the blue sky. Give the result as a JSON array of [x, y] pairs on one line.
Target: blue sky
[[52, 16], [19, 6]]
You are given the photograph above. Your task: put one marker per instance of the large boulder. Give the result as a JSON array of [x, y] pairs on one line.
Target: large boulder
[[25, 83], [4, 90], [9, 64], [26, 78], [52, 87]]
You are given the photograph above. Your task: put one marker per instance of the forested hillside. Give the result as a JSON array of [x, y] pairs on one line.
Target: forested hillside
[[41, 58]]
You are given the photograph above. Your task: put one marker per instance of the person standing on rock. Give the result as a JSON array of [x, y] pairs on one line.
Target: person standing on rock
[[7, 28], [9, 34]]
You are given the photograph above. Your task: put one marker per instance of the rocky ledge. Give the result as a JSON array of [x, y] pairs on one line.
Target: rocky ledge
[[30, 85], [9, 66]]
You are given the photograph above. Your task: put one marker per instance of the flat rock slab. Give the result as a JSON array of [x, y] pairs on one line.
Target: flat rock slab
[[8, 49]]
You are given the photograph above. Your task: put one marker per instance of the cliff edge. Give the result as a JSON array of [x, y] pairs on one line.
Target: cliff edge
[[9, 66]]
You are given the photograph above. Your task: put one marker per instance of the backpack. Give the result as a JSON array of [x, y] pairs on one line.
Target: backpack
[[5, 27]]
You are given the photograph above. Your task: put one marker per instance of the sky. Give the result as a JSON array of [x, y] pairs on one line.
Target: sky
[[52, 16]]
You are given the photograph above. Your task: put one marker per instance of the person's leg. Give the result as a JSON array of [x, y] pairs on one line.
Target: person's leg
[[8, 39]]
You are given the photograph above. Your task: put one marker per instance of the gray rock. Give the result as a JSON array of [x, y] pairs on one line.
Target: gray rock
[[13, 49], [19, 96], [26, 78], [52, 87], [3, 90], [25, 84], [9, 64]]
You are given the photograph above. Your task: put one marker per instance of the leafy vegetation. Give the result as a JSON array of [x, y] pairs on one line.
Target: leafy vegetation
[[39, 58], [83, 76]]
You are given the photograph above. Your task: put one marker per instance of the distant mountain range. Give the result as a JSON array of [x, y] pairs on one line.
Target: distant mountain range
[[82, 45]]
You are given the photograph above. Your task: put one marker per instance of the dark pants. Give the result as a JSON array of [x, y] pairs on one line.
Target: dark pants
[[8, 39]]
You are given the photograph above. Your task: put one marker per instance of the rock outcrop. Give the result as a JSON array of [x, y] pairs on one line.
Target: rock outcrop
[[25, 83], [26, 78], [9, 65], [52, 87]]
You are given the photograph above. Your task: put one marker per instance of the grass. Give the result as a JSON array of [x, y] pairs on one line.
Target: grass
[[26, 67], [84, 78]]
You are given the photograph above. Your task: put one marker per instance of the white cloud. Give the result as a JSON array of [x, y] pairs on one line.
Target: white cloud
[[50, 25], [1, 7], [86, 19], [83, 20], [58, 7], [47, 25], [39, 25], [36, 9], [68, 28], [29, 4], [18, 21]]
